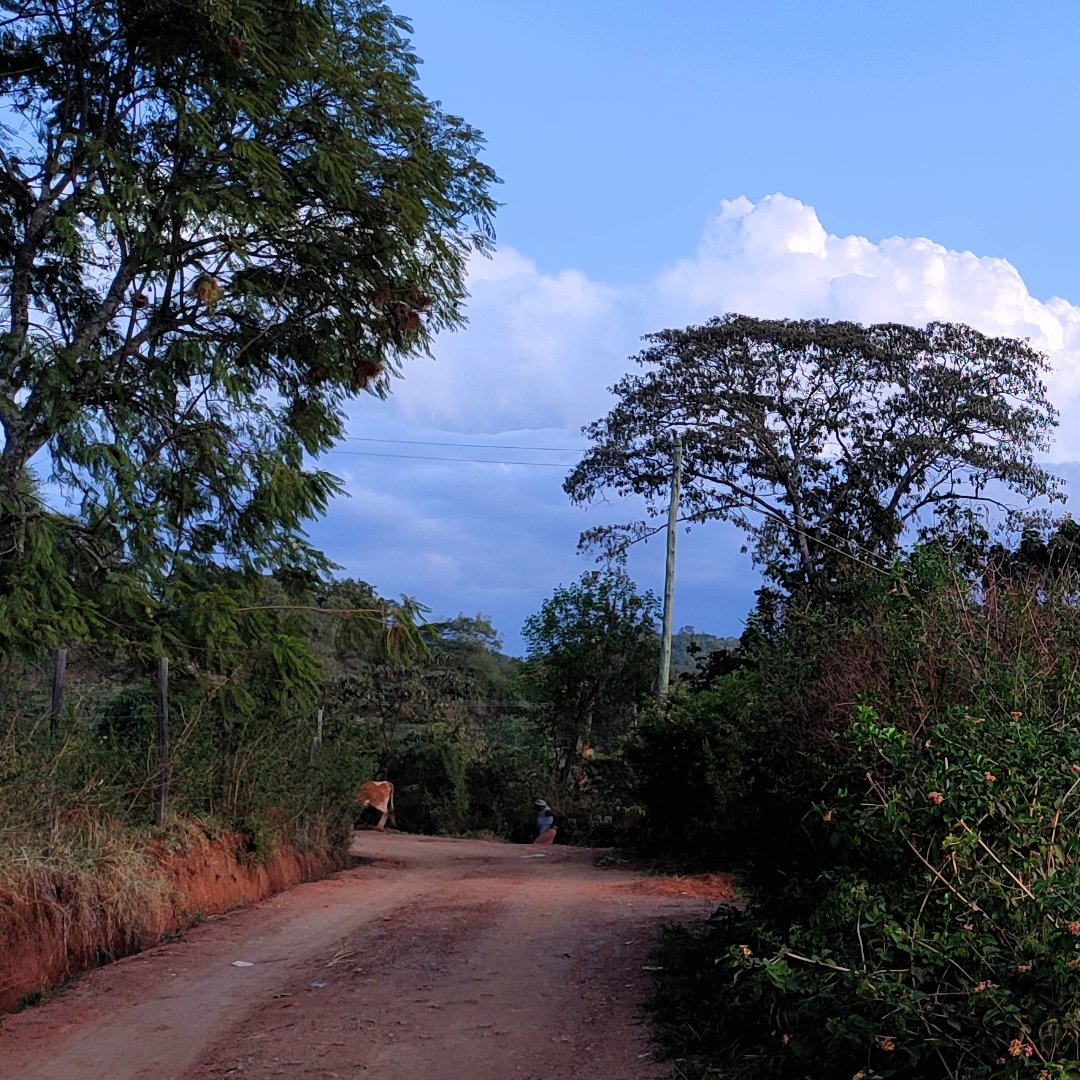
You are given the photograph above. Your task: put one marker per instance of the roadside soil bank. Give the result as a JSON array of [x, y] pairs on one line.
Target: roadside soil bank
[[433, 958], [58, 929]]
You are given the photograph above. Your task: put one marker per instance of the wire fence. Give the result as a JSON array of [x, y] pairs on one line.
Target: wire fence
[[78, 736], [87, 737]]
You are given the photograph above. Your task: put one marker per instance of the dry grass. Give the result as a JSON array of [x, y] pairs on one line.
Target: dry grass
[[88, 878]]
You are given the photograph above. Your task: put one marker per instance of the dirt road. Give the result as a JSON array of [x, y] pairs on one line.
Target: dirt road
[[434, 959]]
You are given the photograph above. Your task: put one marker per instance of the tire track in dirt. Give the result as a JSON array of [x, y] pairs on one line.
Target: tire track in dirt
[[442, 959]]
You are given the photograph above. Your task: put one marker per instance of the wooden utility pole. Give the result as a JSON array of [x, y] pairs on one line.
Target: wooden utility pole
[[669, 575], [316, 740]]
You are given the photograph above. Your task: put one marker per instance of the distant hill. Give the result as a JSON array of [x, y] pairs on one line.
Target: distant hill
[[688, 646]]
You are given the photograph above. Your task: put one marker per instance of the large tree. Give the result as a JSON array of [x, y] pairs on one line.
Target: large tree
[[593, 651], [820, 439], [219, 220]]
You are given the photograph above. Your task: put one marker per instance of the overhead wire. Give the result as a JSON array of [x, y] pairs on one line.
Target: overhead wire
[[848, 548], [848, 551], [438, 457], [464, 445]]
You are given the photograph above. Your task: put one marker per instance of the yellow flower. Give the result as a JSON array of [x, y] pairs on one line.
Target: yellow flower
[[887, 1042]]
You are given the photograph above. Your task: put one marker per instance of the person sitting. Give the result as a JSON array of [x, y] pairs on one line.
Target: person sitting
[[545, 823]]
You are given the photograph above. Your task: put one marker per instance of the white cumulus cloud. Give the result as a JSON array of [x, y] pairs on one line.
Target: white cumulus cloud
[[775, 259], [534, 364], [532, 340], [541, 348]]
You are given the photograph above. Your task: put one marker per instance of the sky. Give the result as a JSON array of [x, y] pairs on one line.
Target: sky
[[662, 164]]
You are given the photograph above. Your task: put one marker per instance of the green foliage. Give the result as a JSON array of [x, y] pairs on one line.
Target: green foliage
[[912, 783], [944, 941], [693, 770], [246, 682], [259, 666], [604, 808], [221, 221], [593, 650], [449, 726], [691, 649], [821, 440]]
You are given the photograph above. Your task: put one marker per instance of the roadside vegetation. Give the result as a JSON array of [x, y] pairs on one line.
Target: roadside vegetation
[[899, 786], [221, 220], [890, 758]]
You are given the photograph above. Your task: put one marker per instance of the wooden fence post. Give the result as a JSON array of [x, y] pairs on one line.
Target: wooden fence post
[[59, 671], [55, 709], [164, 762], [316, 742]]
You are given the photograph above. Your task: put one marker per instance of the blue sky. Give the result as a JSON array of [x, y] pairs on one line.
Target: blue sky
[[665, 164]]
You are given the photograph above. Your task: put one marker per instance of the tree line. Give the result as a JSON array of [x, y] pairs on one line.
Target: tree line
[[220, 221]]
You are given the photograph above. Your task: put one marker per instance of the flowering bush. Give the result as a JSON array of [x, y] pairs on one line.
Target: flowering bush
[[945, 939], [933, 933]]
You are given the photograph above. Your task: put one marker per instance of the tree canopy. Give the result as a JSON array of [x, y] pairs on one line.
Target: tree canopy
[[820, 439], [593, 650], [219, 220]]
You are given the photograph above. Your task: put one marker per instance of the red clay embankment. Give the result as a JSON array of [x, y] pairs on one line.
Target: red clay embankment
[[55, 924], [432, 958]]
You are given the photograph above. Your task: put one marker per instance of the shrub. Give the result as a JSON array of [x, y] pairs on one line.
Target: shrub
[[917, 915], [944, 941], [692, 760]]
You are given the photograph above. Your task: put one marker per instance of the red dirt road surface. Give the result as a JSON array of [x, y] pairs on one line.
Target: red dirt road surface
[[436, 960]]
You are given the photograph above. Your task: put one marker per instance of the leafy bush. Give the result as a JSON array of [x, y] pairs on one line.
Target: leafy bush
[[945, 940], [692, 762], [917, 913]]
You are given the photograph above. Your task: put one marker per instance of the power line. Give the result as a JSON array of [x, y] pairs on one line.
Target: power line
[[465, 446], [436, 457], [848, 549]]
